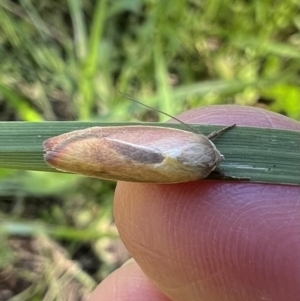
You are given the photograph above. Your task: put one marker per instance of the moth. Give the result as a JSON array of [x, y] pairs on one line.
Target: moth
[[147, 154]]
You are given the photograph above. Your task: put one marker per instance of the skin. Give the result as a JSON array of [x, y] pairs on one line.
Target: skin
[[209, 240]]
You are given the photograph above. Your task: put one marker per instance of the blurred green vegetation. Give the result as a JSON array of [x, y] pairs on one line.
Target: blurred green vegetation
[[68, 60]]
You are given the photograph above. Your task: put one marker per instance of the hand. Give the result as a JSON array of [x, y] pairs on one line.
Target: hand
[[209, 240]]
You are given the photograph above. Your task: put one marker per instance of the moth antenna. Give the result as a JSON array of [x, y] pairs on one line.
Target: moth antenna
[[159, 111]]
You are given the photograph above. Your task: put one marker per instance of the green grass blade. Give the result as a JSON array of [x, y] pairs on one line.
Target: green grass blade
[[79, 28], [262, 155], [19, 103], [23, 228]]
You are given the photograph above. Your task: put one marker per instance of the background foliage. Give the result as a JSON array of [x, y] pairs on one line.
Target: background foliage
[[68, 60]]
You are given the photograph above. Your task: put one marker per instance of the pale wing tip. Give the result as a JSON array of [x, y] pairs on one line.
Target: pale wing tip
[[49, 151], [49, 144]]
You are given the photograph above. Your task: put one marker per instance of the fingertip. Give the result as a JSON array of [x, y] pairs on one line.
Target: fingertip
[[127, 283], [214, 233], [240, 115]]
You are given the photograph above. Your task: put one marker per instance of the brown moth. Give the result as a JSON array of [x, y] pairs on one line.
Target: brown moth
[[135, 153]]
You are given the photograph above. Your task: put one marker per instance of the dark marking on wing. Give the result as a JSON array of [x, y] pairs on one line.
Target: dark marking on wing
[[137, 153]]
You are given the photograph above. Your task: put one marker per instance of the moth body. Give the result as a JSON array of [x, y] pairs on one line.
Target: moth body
[[134, 153]]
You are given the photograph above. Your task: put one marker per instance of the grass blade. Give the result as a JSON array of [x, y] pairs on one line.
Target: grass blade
[[262, 155]]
